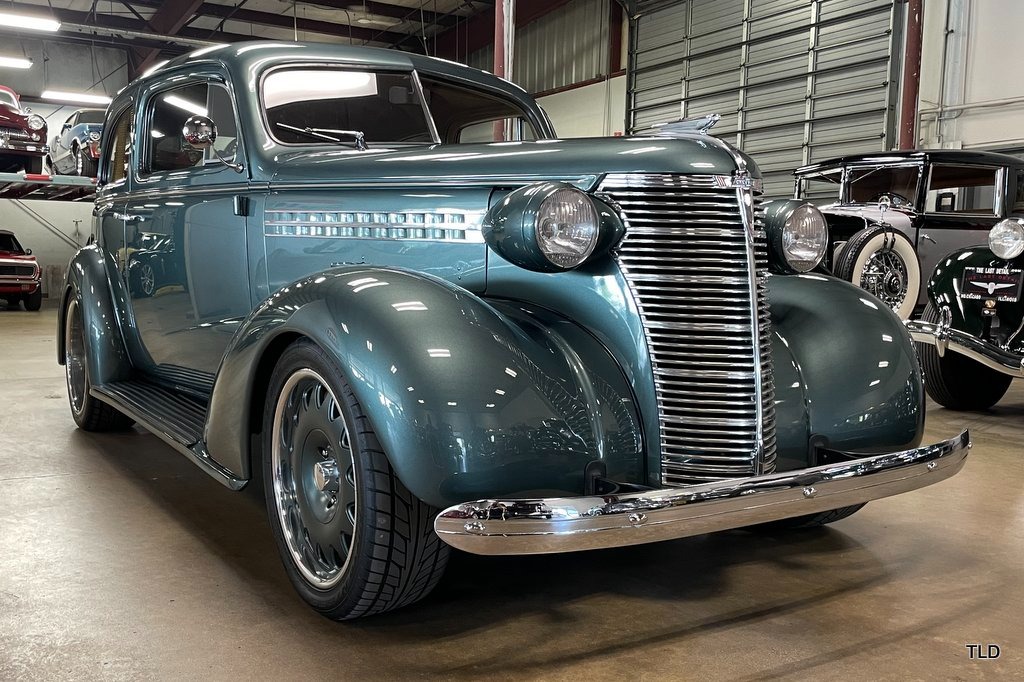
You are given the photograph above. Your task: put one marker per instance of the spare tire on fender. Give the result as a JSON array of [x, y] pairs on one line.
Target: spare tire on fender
[[883, 261]]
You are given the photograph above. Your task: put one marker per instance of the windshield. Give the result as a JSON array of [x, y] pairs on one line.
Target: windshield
[[9, 243], [8, 99], [91, 116], [868, 185], [327, 106]]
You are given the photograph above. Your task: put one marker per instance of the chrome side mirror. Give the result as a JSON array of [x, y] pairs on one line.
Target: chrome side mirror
[[199, 131]]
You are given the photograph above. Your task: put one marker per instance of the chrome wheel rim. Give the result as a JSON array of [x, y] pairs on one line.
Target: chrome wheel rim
[[885, 276], [313, 474], [74, 358], [147, 279]]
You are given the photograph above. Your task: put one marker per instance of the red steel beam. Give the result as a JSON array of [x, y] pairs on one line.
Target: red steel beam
[[911, 89], [168, 20]]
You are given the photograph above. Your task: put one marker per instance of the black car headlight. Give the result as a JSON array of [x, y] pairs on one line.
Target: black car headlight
[[550, 227], [1006, 238], [797, 235]]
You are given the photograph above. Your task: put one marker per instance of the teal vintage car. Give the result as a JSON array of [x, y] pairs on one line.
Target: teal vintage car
[[425, 321]]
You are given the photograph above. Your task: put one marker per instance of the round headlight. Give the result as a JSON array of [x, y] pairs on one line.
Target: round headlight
[[36, 122], [1006, 238], [804, 238], [94, 136], [567, 227]]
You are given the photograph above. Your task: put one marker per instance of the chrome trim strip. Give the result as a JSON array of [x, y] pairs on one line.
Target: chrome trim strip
[[569, 524], [945, 338], [584, 182], [433, 225]]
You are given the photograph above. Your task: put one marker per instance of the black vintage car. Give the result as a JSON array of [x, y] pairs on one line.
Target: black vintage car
[[893, 215], [972, 331]]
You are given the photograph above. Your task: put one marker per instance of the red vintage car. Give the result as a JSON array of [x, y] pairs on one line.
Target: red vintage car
[[22, 135], [19, 273]]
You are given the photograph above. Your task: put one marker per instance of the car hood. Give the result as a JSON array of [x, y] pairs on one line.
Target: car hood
[[12, 117], [871, 214], [581, 161], [16, 257]]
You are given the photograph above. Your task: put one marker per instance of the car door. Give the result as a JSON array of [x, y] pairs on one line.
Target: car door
[[192, 204], [962, 203]]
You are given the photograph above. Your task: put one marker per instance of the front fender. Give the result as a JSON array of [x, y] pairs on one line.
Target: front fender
[[467, 400], [846, 372], [87, 279], [966, 315]]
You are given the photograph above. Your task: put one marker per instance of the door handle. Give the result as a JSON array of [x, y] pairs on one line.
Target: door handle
[[927, 237], [127, 217]]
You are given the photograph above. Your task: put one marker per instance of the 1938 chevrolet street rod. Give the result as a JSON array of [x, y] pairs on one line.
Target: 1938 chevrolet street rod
[[423, 337]]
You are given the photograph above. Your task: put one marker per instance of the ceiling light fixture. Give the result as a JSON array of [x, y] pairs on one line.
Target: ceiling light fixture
[[12, 20], [83, 97], [15, 62]]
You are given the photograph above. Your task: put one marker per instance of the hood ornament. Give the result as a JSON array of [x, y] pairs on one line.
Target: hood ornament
[[686, 126]]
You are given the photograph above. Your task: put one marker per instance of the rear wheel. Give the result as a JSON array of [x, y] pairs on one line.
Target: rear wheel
[[883, 261], [354, 541], [954, 380], [90, 414], [811, 520]]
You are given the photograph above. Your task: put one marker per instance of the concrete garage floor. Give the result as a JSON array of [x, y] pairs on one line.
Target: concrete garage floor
[[120, 560]]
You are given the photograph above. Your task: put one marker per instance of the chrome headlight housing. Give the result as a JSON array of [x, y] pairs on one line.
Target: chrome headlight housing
[[551, 227], [35, 122], [797, 235], [1006, 238], [94, 136]]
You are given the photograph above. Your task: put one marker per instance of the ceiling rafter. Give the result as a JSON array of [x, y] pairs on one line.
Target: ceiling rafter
[[170, 18], [287, 21]]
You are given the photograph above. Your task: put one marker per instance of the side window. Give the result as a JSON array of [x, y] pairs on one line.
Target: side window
[[118, 154], [961, 189], [462, 114], [167, 149]]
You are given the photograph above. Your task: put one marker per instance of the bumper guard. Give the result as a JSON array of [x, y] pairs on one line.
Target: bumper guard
[[946, 338], [568, 524]]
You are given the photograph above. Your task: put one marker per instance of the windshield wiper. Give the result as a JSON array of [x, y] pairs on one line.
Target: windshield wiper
[[319, 133]]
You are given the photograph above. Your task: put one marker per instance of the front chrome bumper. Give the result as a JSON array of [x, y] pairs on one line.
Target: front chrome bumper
[[946, 338], [569, 524]]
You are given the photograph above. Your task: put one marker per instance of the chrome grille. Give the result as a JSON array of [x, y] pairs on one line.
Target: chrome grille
[[15, 133], [700, 285]]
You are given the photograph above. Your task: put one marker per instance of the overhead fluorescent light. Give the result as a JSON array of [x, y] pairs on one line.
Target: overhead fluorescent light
[[13, 20], [82, 97], [15, 62], [188, 105]]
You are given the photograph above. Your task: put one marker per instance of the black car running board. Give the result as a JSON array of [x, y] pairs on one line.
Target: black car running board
[[175, 418]]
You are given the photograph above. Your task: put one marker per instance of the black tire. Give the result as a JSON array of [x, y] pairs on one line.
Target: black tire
[[954, 380], [84, 166], [810, 520], [392, 555], [883, 261], [89, 413], [34, 165], [34, 301]]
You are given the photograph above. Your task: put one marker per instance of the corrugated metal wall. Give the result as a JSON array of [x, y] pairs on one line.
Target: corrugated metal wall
[[566, 46], [796, 81]]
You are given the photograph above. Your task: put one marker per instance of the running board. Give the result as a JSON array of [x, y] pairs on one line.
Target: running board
[[173, 417]]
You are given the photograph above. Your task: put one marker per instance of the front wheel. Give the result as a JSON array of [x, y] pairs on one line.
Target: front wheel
[[34, 301], [882, 261], [354, 541], [84, 166], [954, 380]]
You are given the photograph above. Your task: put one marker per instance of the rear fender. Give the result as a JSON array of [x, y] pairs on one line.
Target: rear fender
[[467, 400], [846, 372], [88, 281]]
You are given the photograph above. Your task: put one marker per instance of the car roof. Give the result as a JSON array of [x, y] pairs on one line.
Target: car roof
[[263, 54], [968, 156]]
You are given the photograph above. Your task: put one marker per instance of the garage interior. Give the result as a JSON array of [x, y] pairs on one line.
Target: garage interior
[[121, 560]]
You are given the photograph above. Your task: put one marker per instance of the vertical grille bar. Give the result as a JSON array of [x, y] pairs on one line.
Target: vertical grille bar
[[699, 281]]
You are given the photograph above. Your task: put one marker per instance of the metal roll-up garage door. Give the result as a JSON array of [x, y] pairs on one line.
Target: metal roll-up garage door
[[796, 81]]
